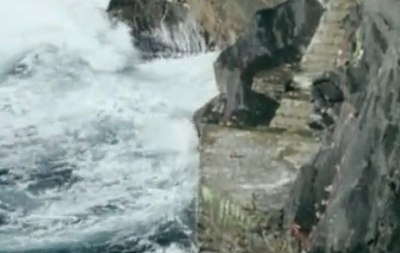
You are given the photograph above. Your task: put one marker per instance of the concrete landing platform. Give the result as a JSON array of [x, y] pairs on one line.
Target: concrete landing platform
[[245, 177]]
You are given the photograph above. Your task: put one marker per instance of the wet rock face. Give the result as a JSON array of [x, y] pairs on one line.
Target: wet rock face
[[276, 36], [159, 27], [347, 198]]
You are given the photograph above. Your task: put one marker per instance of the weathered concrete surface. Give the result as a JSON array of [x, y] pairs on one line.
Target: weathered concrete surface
[[245, 180]]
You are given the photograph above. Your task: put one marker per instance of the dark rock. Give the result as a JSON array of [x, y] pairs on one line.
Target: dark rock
[[160, 27], [276, 36], [326, 94], [347, 199], [262, 112], [210, 113], [321, 121], [326, 89]]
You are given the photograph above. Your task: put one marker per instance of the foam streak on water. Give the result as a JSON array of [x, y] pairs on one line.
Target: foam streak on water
[[95, 147]]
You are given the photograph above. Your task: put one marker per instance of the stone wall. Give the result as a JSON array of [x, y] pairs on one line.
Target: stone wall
[[347, 198]]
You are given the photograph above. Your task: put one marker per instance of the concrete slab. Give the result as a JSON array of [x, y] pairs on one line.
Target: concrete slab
[[245, 177]]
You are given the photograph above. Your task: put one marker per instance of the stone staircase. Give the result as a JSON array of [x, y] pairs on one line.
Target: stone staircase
[[326, 48], [292, 115]]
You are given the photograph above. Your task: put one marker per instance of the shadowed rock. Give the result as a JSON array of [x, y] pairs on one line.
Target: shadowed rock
[[326, 90], [326, 95], [263, 107]]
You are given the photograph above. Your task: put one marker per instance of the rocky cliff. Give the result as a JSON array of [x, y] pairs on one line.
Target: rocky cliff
[[347, 198], [160, 28]]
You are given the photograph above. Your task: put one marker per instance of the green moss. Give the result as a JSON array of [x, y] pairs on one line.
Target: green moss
[[229, 223]]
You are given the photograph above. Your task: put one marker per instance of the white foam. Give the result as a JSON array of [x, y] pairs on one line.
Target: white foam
[[77, 26], [127, 134]]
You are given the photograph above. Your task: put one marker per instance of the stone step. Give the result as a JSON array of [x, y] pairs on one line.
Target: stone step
[[341, 5], [337, 19], [330, 31], [323, 49], [332, 42], [292, 115], [318, 62]]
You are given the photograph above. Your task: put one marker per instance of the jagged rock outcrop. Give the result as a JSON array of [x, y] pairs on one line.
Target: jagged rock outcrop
[[224, 21], [275, 37], [326, 95], [160, 27], [346, 200]]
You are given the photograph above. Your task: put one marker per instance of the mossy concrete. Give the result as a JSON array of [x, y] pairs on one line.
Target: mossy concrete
[[245, 178]]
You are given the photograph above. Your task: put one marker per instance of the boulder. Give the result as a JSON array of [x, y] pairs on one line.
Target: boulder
[[326, 98], [213, 112], [159, 27]]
